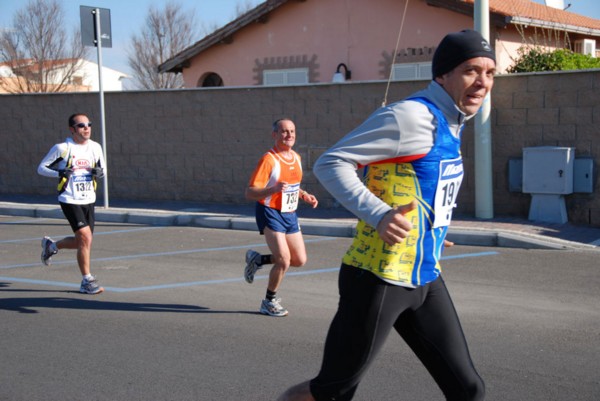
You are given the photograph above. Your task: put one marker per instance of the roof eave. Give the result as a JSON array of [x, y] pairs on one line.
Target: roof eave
[[552, 25], [258, 14]]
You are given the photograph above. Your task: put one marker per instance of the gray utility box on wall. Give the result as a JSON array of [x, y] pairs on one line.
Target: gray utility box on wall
[[548, 176]]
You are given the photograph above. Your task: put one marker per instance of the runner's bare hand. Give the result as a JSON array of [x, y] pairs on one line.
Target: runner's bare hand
[[394, 227], [279, 187], [310, 199]]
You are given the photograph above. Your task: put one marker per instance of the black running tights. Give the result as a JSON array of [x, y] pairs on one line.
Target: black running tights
[[425, 318]]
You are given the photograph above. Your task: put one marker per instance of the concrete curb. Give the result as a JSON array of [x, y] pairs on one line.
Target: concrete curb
[[504, 239], [321, 227]]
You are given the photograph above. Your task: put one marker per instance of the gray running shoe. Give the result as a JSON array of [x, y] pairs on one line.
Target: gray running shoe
[[273, 308], [46, 251], [90, 286], [252, 265]]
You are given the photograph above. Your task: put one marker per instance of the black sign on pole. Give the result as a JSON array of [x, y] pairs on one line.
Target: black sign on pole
[[88, 26]]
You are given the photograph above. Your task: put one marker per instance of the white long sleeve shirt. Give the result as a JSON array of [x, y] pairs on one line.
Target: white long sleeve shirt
[[80, 188]]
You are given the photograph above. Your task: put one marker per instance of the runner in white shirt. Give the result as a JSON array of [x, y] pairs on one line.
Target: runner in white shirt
[[76, 163]]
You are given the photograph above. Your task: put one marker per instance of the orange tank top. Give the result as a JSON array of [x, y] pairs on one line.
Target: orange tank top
[[273, 168]]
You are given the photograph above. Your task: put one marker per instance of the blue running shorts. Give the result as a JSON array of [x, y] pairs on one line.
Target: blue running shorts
[[275, 220]]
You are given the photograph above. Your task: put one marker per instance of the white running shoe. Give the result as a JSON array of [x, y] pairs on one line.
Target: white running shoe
[[273, 308], [46, 251], [90, 286], [252, 265]]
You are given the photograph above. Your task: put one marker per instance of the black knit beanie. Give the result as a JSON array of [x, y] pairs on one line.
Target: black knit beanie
[[457, 47]]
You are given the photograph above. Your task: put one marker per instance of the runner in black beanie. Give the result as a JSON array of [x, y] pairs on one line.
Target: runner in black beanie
[[458, 47]]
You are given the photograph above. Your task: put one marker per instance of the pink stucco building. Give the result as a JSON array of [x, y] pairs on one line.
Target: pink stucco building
[[283, 42]]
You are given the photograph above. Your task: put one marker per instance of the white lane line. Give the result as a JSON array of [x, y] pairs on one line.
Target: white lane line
[[208, 282], [156, 254], [131, 230]]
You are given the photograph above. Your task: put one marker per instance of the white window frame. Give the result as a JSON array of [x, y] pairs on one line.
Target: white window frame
[[411, 71], [289, 76], [586, 46]]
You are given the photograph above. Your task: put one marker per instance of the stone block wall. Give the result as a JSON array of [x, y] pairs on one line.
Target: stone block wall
[[202, 144]]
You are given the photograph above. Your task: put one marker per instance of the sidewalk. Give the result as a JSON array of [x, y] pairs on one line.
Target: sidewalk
[[503, 231]]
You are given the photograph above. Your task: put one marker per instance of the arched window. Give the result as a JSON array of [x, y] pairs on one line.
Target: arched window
[[210, 80]]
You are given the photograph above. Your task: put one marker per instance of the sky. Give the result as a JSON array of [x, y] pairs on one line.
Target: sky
[[127, 18]]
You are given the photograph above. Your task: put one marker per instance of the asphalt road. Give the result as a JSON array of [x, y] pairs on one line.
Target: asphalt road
[[178, 322]]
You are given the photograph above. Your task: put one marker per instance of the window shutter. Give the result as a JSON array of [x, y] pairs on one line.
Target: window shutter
[[294, 76], [411, 71]]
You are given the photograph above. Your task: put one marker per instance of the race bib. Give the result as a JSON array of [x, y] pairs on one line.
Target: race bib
[[81, 185], [289, 198], [450, 178]]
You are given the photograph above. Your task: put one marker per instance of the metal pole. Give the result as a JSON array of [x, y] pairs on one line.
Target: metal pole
[[484, 194], [101, 92]]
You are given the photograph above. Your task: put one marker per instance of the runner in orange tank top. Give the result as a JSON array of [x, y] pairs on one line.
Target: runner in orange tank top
[[275, 186]]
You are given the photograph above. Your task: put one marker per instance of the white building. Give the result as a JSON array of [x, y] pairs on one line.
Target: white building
[[84, 79], [112, 80]]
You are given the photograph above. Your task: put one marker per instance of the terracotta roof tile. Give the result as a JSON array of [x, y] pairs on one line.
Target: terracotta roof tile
[[537, 11]]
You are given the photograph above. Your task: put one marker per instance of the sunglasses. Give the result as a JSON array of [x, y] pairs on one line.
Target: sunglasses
[[83, 125]]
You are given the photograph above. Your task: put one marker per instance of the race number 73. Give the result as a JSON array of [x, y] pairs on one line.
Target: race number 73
[[289, 198]]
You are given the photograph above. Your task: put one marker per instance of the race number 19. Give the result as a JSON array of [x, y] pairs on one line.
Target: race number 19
[[449, 180]]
